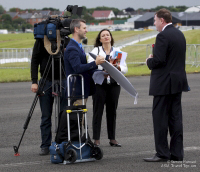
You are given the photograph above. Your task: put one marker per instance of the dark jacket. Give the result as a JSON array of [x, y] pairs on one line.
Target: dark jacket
[[76, 63], [40, 59], [167, 66]]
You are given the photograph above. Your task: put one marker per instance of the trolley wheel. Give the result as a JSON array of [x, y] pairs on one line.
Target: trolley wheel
[[97, 153], [71, 155]]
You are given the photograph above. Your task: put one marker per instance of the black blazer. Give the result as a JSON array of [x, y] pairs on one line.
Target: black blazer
[[167, 66]]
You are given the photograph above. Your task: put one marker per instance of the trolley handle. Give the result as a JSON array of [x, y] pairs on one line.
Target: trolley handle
[[68, 88]]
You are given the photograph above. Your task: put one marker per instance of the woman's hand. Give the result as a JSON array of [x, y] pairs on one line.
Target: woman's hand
[[112, 61]]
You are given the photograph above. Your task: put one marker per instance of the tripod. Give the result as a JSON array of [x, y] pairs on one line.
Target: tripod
[[56, 93]]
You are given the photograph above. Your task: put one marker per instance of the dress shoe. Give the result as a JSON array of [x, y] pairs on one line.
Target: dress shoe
[[44, 151], [115, 144], [174, 158], [155, 159]]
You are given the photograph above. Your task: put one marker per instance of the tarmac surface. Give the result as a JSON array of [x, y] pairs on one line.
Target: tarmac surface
[[134, 132]]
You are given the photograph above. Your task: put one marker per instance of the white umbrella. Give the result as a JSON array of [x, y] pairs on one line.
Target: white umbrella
[[119, 77]]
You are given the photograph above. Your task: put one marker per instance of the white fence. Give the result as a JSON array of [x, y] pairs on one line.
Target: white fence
[[12, 57], [192, 53]]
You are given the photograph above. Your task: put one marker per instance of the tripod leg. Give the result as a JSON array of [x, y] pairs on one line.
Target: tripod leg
[[16, 148], [57, 106]]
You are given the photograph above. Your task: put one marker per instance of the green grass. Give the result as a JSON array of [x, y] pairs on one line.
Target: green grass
[[142, 70], [26, 40], [191, 36], [18, 75], [16, 65], [21, 40], [135, 53], [15, 75]]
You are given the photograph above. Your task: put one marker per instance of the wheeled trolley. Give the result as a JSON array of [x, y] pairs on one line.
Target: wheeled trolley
[[82, 149]]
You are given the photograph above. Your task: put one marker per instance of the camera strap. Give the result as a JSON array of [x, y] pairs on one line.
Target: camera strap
[[47, 43]]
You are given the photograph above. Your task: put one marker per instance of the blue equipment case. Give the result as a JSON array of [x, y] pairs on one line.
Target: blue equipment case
[[60, 152]]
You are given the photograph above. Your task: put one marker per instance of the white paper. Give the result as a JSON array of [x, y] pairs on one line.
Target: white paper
[[123, 59]]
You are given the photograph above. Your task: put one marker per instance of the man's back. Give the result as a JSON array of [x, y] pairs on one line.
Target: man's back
[[168, 64]]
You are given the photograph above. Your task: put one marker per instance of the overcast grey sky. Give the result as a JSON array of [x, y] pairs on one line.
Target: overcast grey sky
[[120, 4]]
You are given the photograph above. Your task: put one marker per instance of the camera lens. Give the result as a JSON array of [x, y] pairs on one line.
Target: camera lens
[[69, 8]]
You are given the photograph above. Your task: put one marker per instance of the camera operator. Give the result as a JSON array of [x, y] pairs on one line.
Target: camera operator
[[40, 59]]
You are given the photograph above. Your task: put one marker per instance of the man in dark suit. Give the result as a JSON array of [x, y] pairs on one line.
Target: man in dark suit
[[168, 81], [76, 62]]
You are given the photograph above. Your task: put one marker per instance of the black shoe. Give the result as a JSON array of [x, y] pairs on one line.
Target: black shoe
[[155, 159], [115, 145], [173, 158], [44, 151]]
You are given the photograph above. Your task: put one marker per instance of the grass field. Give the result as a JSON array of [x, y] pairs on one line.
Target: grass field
[[192, 37], [26, 40], [135, 53], [22, 40]]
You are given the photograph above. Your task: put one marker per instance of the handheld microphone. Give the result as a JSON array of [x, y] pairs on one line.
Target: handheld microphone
[[152, 48]]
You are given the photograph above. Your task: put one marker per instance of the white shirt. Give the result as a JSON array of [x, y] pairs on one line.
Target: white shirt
[[166, 26]]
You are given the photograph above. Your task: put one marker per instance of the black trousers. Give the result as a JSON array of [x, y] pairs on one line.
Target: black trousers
[[167, 116], [105, 95]]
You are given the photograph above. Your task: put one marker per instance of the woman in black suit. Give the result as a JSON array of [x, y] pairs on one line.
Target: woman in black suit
[[108, 92]]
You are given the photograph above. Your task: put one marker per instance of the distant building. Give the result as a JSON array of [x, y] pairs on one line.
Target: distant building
[[26, 16], [133, 19], [128, 13], [190, 19], [183, 18], [144, 21], [103, 14], [193, 9], [13, 15], [123, 14], [108, 22], [34, 17]]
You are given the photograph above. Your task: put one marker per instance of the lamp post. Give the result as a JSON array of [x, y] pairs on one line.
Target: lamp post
[[186, 18]]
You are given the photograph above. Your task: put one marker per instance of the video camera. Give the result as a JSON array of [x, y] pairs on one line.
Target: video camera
[[55, 29]]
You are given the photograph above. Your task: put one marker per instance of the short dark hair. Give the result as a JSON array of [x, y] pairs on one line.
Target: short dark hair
[[165, 14], [76, 23], [97, 41]]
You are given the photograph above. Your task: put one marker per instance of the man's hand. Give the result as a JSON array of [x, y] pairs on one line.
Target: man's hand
[[34, 88], [150, 56], [99, 60]]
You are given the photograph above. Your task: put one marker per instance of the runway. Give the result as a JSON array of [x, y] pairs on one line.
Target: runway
[[134, 132]]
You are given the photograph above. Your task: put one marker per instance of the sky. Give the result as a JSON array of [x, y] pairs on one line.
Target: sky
[[120, 4]]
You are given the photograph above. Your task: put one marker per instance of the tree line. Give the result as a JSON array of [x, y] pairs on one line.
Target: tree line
[[6, 21]]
